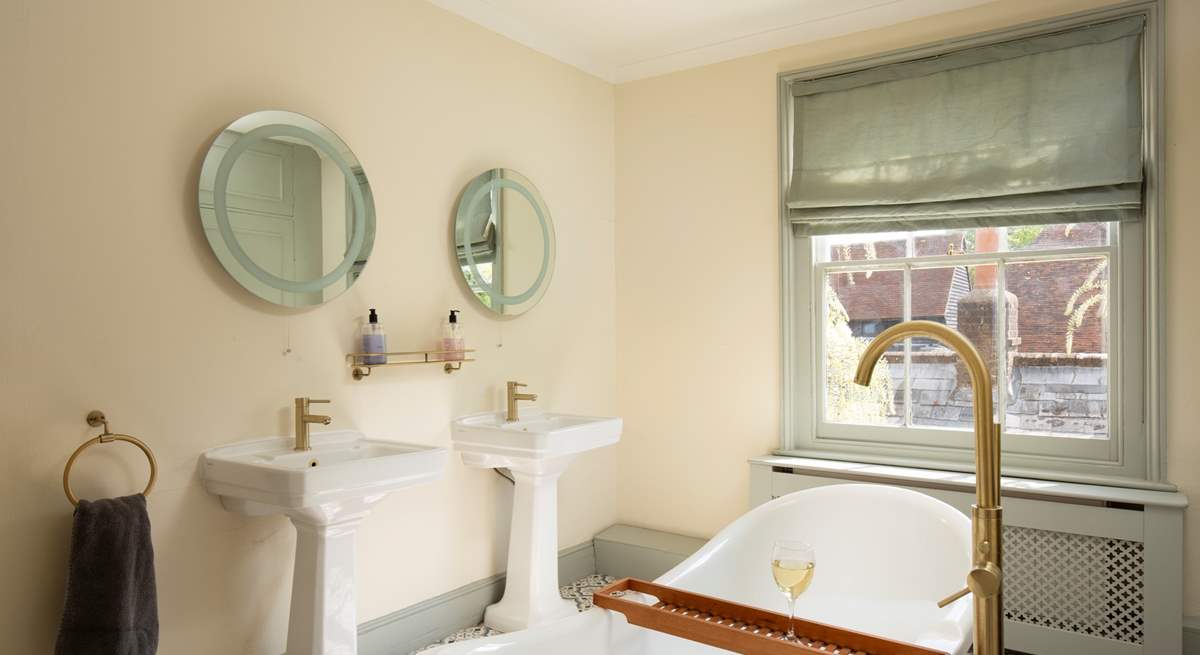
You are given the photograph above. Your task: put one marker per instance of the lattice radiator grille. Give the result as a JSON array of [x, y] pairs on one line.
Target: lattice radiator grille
[[1078, 583]]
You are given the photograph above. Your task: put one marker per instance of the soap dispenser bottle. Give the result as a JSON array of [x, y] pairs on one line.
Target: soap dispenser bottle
[[374, 340], [453, 344]]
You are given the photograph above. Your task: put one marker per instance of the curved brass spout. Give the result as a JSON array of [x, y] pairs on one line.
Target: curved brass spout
[[984, 580]]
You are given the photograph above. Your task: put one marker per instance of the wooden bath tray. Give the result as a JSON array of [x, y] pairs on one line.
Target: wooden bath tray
[[739, 628]]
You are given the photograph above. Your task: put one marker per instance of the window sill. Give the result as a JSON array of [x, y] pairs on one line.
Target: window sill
[[1091, 494]]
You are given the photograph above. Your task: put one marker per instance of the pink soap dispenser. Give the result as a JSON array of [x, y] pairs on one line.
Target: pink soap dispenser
[[453, 343]]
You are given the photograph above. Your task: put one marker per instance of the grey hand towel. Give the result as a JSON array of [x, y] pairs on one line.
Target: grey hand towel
[[112, 605]]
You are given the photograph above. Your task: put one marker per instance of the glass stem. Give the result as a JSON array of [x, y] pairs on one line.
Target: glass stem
[[791, 633]]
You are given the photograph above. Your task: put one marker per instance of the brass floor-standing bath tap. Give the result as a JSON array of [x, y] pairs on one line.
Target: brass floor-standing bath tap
[[984, 579]]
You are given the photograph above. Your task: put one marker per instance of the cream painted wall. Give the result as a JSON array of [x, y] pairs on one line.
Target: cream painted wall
[[698, 267], [114, 301]]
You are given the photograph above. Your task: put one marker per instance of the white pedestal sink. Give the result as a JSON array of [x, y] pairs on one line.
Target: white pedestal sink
[[326, 492], [537, 449]]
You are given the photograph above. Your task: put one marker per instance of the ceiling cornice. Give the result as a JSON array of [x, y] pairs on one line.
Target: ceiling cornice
[[561, 47]]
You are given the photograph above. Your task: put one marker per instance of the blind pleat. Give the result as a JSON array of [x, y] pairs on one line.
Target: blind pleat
[[1038, 130], [1114, 203]]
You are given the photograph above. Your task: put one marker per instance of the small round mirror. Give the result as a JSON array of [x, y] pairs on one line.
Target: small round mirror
[[504, 239], [287, 208]]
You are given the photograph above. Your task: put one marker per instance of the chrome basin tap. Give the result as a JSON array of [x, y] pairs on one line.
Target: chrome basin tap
[[304, 419], [984, 580], [513, 397]]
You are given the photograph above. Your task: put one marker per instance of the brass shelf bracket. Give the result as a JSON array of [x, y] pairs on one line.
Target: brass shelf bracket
[[451, 360]]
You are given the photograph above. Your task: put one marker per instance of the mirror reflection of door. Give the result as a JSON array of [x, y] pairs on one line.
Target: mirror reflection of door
[[288, 208]]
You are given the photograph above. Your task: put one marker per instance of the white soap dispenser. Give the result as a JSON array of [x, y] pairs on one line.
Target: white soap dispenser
[[453, 343]]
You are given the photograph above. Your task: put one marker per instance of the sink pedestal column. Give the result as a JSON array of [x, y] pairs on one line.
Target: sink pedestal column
[[326, 503], [323, 615], [531, 594]]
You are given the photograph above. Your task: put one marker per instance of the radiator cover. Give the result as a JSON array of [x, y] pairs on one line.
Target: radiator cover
[[1078, 583]]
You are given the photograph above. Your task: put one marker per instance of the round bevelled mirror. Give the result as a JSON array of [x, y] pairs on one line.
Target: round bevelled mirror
[[287, 208], [504, 241]]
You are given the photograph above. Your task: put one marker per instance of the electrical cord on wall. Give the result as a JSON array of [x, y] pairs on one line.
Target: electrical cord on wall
[[502, 472]]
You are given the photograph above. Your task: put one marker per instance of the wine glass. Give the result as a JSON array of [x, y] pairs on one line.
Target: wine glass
[[792, 564]]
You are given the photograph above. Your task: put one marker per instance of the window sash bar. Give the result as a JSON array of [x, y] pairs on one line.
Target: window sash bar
[[908, 417], [1001, 337], [935, 261]]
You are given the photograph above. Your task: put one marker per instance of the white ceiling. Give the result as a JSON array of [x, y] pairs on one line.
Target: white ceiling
[[623, 40]]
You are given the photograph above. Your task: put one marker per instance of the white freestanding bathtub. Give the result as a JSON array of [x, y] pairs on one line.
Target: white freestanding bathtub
[[885, 556]]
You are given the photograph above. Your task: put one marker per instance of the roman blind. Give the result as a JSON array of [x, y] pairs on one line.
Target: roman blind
[[1046, 129]]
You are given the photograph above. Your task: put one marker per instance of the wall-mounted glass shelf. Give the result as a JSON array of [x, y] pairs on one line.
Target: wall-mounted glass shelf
[[452, 360]]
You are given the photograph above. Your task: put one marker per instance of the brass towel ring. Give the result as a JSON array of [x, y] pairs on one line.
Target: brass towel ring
[[96, 418]]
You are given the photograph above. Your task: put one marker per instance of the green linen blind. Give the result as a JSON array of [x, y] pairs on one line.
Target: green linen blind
[[1046, 129]]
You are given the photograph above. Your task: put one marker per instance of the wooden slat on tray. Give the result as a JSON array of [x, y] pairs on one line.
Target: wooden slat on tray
[[739, 628]]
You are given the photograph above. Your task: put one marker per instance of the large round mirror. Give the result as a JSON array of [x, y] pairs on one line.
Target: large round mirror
[[504, 239], [287, 208]]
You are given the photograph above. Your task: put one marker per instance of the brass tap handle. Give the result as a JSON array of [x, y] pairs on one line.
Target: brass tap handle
[[310, 401], [954, 596], [983, 581]]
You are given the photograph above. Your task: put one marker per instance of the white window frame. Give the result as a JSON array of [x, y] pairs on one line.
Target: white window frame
[[1134, 454]]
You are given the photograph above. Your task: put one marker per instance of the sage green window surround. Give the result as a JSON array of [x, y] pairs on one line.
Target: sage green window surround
[[1137, 458]]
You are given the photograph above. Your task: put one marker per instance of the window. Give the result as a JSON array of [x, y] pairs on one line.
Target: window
[[1046, 345], [996, 186]]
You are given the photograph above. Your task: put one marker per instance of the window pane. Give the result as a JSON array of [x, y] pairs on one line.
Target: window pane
[[858, 306], [863, 247], [1055, 237], [1011, 239], [964, 298], [1060, 365], [936, 243], [933, 243]]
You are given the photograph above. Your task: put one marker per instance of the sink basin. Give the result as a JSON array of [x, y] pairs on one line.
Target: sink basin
[[538, 435], [266, 476], [326, 492], [537, 450]]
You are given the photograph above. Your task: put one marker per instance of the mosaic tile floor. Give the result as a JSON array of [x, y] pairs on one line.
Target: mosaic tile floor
[[579, 591]]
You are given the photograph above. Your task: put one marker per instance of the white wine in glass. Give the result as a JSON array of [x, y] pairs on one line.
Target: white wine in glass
[[792, 565]]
